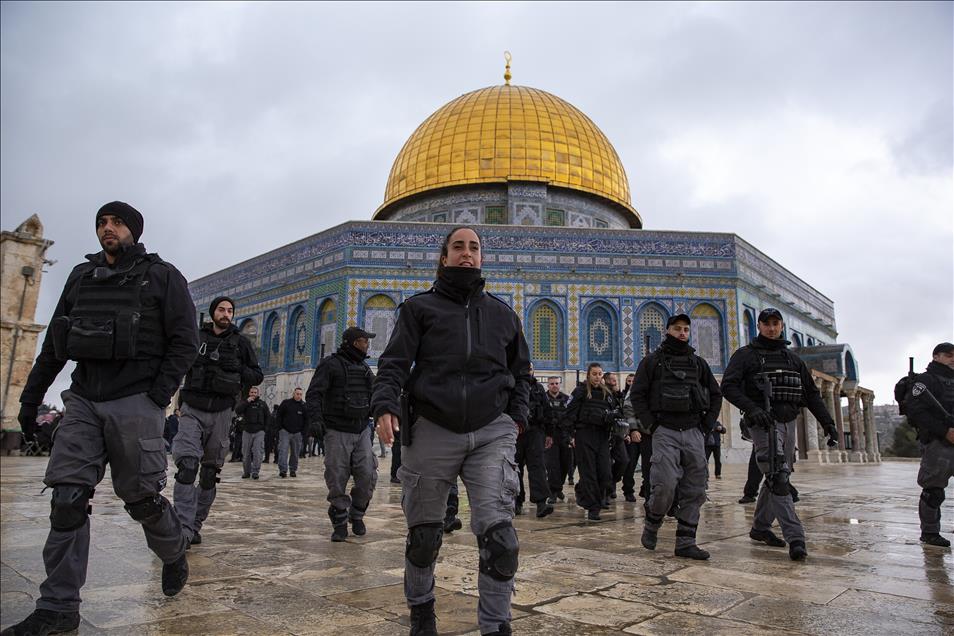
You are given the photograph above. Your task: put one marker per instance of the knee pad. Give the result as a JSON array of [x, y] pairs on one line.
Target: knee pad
[[69, 507], [188, 469], [779, 484], [148, 509], [932, 497], [208, 477], [424, 543], [499, 548]]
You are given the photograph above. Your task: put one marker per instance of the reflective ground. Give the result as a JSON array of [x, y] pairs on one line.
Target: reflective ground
[[266, 565]]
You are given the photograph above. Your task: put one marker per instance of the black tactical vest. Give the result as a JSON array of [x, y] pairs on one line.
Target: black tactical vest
[[108, 320], [784, 379], [594, 410], [947, 397], [207, 374], [676, 385], [351, 399]]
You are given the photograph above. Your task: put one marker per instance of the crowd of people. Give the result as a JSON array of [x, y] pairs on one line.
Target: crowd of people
[[454, 397]]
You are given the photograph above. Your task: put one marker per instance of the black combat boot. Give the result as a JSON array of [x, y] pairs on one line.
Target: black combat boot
[[503, 630], [767, 537], [631, 498], [649, 538], [196, 539], [452, 523], [746, 499], [593, 514], [357, 525], [936, 540], [423, 620], [797, 551], [42, 622], [175, 575], [543, 508], [692, 552], [339, 521]]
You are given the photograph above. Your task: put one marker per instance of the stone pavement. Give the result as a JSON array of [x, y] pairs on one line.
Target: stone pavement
[[266, 565]]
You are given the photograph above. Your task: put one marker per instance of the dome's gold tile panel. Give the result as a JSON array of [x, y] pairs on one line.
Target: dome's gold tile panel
[[503, 133]]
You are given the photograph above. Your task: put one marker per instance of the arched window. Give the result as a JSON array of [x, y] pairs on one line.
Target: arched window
[[296, 349], [379, 318], [707, 333], [601, 338], [271, 342], [652, 328], [546, 336], [796, 340], [748, 322], [327, 332], [249, 329], [851, 369]]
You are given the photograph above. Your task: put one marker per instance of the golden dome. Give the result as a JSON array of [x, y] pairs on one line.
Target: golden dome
[[509, 133]]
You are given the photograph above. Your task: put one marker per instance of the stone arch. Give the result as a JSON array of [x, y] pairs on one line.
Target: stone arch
[[851, 368], [601, 335], [545, 334], [379, 319], [652, 325], [249, 328], [748, 323], [797, 341], [326, 335], [271, 341], [297, 353], [707, 333]]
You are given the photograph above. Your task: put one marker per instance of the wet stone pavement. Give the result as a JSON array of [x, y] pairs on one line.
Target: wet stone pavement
[[266, 565]]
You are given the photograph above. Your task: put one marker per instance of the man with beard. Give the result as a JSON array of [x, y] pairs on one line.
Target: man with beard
[[292, 422], [339, 404], [255, 417], [676, 397], [767, 366], [531, 442], [127, 319], [226, 362], [559, 455]]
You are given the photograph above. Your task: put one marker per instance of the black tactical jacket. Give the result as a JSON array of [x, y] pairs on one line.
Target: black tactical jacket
[[930, 422], [229, 343], [470, 359], [164, 289], [292, 416], [254, 414], [325, 397]]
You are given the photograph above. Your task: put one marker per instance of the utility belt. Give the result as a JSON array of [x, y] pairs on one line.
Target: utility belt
[[674, 426], [212, 379]]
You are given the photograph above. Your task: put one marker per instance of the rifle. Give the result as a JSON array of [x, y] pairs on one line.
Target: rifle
[[766, 387]]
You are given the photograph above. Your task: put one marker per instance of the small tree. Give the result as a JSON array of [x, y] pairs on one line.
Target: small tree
[[905, 442]]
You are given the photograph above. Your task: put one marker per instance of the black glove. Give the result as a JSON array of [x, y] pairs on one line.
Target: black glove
[[758, 417], [27, 419], [318, 429], [230, 364]]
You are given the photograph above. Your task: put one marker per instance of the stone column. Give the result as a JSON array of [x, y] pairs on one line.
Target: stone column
[[855, 454], [836, 455], [871, 434], [812, 452], [22, 259]]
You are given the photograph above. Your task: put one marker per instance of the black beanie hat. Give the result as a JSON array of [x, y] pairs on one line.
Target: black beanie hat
[[216, 301], [130, 216]]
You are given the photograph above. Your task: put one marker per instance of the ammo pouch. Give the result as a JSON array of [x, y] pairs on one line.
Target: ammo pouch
[[96, 337], [675, 398], [226, 382], [356, 405]]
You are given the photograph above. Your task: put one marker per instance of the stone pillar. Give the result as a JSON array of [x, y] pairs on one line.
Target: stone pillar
[[871, 434], [857, 453], [831, 392], [21, 255], [812, 453]]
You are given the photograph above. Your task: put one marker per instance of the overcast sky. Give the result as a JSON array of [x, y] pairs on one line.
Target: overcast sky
[[820, 133]]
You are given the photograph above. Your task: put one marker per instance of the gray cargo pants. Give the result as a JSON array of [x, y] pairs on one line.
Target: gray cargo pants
[[937, 468], [769, 506], [204, 435], [678, 467], [289, 448], [126, 434], [484, 459], [253, 447], [348, 454]]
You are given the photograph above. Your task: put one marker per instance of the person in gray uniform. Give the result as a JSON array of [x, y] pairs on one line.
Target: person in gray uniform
[[459, 355], [292, 420], [930, 409], [765, 368], [676, 396], [226, 362], [127, 319], [255, 418], [339, 404]]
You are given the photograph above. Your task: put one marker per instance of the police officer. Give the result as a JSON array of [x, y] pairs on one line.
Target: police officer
[[676, 396], [619, 439], [766, 367], [468, 391], [226, 362], [292, 421], [255, 418], [559, 455], [127, 319], [339, 404], [930, 409], [531, 443], [593, 411]]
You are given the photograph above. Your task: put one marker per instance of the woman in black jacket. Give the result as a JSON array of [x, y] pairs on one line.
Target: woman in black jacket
[[454, 380], [592, 409]]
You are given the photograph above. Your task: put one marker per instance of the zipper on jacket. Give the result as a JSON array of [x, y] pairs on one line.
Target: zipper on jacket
[[480, 331], [463, 376]]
